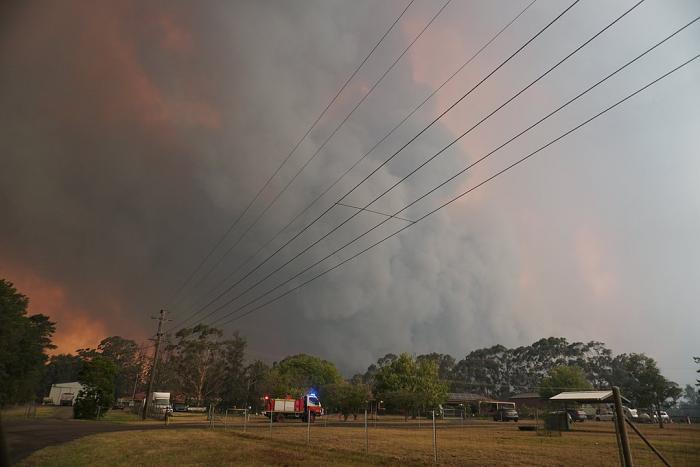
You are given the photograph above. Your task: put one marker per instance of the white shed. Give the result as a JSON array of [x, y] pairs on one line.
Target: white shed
[[64, 391]]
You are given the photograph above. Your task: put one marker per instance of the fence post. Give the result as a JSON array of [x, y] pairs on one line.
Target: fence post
[[308, 425], [272, 414], [434, 441], [622, 428], [419, 419], [619, 445], [245, 419], [646, 441], [366, 435]]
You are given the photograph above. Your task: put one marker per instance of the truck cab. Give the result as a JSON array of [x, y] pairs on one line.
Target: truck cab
[[313, 404]]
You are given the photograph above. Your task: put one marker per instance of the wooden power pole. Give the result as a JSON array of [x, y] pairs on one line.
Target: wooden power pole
[[622, 428], [156, 354]]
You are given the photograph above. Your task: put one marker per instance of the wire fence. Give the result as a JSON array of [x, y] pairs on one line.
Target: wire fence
[[450, 437], [435, 438]]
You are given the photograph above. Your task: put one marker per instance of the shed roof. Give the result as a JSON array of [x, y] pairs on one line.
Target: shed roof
[[585, 396], [70, 385]]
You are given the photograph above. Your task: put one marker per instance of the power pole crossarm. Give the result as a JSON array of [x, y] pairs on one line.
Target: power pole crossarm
[[156, 354]]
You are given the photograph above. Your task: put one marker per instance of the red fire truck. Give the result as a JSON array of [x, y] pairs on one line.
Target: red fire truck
[[307, 406]]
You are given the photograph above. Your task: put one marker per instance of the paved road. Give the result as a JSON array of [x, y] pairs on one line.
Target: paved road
[[26, 436]]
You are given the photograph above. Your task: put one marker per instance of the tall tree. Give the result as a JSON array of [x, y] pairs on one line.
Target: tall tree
[[297, 374], [125, 354], [408, 384], [445, 364], [203, 364], [62, 368], [641, 381], [23, 344], [483, 371], [498, 371], [691, 396], [345, 398], [563, 378], [258, 382]]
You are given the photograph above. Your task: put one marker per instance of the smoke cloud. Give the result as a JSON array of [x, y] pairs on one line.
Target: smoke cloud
[[134, 134]]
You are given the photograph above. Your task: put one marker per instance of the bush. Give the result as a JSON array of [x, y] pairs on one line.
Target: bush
[[97, 377], [88, 401]]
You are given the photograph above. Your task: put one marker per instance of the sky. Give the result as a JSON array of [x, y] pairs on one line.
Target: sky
[[134, 135]]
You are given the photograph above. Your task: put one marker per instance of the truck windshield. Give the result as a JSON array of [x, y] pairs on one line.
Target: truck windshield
[[314, 400]]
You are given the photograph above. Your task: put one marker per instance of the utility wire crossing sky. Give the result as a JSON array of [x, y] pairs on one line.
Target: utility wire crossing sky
[[223, 161]]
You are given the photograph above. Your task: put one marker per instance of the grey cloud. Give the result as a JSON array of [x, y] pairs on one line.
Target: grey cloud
[[117, 203]]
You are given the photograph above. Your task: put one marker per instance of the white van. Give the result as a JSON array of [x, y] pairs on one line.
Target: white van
[[630, 413]]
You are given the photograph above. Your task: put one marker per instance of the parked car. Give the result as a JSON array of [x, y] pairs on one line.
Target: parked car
[[577, 415], [652, 417], [630, 413], [67, 398], [604, 415], [505, 415], [179, 407]]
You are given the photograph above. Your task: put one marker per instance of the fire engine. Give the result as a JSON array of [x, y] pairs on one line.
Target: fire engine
[[303, 407]]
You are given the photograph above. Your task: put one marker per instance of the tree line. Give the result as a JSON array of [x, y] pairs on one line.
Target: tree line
[[205, 366]]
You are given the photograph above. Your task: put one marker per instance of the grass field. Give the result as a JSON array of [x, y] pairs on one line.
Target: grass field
[[591, 444], [42, 411]]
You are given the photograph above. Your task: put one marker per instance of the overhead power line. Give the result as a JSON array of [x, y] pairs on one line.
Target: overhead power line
[[318, 151], [395, 154], [328, 138], [345, 173], [274, 174], [503, 63], [465, 193]]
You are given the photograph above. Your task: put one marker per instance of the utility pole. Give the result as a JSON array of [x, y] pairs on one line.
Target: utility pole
[[156, 354]]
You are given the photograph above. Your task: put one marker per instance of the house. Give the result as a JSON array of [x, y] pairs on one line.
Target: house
[[64, 393], [473, 404]]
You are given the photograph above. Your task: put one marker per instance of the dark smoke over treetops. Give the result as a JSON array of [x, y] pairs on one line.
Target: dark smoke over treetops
[[134, 133]]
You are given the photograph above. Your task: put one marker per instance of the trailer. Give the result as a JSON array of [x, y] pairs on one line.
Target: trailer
[[64, 393], [307, 408], [160, 402]]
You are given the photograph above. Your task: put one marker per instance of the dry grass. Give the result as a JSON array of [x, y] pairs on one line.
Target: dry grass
[[592, 444], [42, 411]]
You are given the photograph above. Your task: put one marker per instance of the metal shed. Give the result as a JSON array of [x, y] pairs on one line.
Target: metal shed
[[587, 397]]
